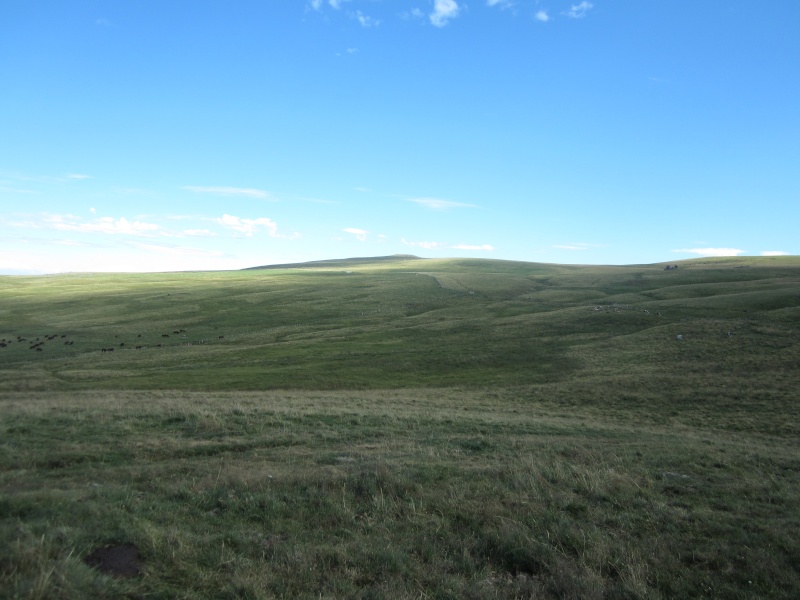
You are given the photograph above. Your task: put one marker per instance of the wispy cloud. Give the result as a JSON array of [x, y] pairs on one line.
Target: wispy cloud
[[366, 21], [439, 204], [117, 254], [78, 176], [414, 13], [361, 234], [228, 191], [542, 16], [712, 251], [140, 226], [107, 225], [578, 11], [11, 190], [774, 253], [249, 227], [500, 3], [443, 11], [317, 4]]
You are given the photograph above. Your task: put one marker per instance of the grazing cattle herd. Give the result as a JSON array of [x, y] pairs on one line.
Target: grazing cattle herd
[[36, 343], [40, 342]]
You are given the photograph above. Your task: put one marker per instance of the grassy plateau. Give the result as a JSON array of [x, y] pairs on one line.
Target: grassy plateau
[[404, 428]]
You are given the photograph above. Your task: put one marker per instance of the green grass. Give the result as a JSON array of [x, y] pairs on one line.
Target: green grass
[[401, 323], [405, 429]]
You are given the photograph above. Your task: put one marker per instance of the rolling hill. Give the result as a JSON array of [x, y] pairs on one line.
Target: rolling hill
[[395, 322]]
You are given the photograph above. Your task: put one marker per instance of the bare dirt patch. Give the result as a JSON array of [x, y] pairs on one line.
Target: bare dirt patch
[[119, 561]]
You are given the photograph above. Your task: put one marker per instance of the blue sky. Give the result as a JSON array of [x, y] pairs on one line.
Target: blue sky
[[152, 136]]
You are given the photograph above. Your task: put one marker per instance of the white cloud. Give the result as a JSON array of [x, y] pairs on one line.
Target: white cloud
[[414, 13], [774, 253], [84, 252], [443, 11], [500, 3], [578, 11], [542, 16], [712, 251], [49, 179], [19, 224], [252, 226], [439, 204], [361, 234], [228, 191], [319, 5], [10, 190], [120, 256], [471, 247], [366, 21], [102, 225]]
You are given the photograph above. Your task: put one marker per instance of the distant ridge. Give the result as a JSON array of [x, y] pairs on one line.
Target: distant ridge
[[340, 262]]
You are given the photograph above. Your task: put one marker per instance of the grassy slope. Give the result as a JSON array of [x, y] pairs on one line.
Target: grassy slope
[[456, 429], [432, 323]]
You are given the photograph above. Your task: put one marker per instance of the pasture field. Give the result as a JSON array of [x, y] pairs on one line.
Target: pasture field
[[404, 428]]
